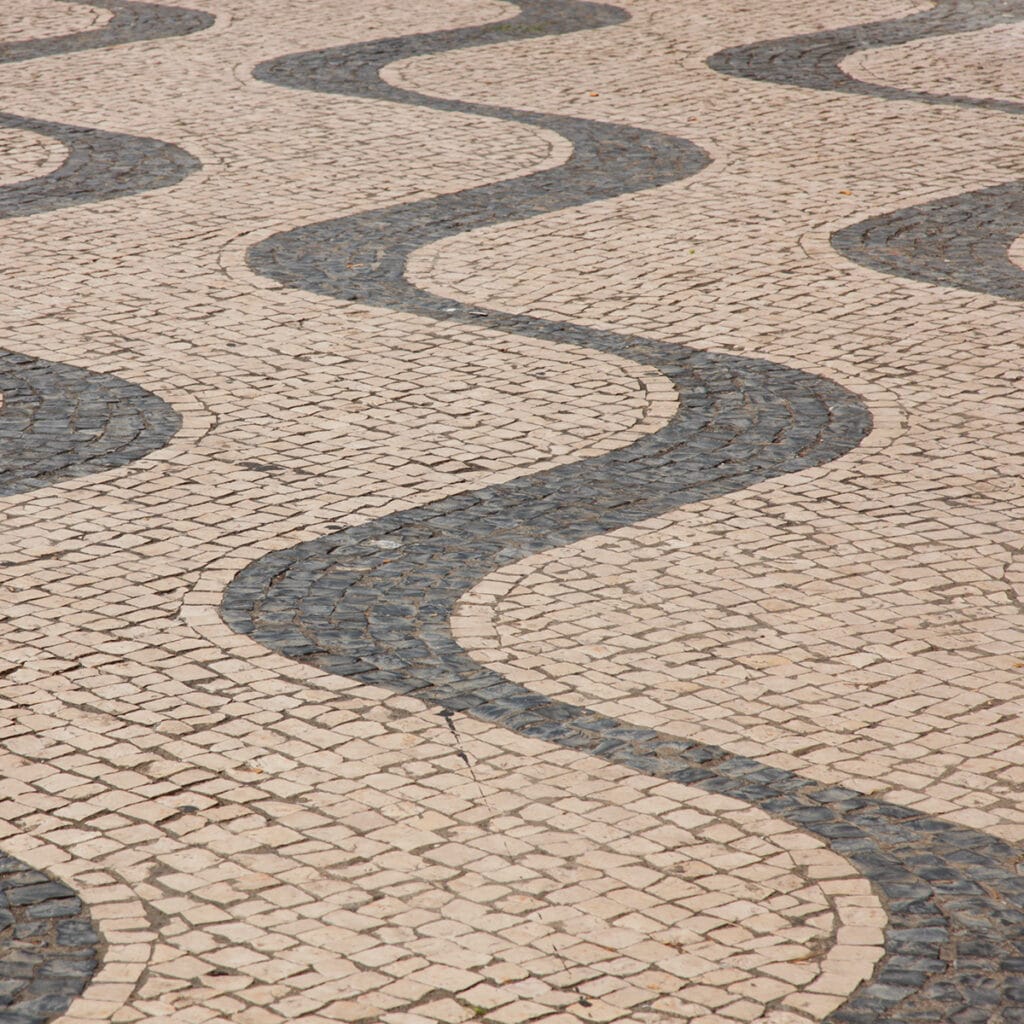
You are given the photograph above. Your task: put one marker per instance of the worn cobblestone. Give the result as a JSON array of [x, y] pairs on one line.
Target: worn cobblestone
[[722, 727]]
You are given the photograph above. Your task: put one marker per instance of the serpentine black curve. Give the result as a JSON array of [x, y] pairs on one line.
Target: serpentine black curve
[[60, 421], [48, 947], [373, 601], [131, 22], [961, 241]]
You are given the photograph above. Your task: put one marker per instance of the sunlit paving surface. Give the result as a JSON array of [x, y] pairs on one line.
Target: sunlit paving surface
[[512, 512]]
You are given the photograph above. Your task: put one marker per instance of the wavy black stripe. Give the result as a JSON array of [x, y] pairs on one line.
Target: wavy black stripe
[[99, 165], [962, 241], [60, 421], [57, 422], [48, 947], [812, 60], [374, 601], [131, 22]]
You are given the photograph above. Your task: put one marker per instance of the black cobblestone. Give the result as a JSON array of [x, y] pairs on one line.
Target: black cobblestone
[[812, 60], [131, 22], [60, 421], [48, 947], [961, 242]]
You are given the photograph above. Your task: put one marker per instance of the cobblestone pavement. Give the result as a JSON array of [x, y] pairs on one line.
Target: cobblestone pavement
[[511, 513]]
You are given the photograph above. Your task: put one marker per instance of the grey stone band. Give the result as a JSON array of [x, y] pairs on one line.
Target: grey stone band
[[100, 165], [48, 947], [812, 61], [60, 421], [961, 242], [373, 601], [131, 23]]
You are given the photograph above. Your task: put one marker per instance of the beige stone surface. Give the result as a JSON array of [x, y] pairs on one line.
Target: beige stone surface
[[260, 842], [985, 64], [39, 19]]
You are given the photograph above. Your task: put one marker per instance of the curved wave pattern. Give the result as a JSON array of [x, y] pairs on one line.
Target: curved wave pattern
[[131, 23], [100, 165], [812, 61], [60, 421], [962, 241], [373, 601]]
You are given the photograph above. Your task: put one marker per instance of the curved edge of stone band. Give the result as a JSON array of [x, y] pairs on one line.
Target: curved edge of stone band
[[373, 601], [60, 421], [962, 241], [50, 949], [132, 22]]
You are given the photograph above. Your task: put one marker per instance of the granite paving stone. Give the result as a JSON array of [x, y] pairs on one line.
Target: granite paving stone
[[511, 512]]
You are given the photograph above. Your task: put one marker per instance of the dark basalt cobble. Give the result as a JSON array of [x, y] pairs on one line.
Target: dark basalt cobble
[[58, 422], [962, 241], [811, 61], [374, 601], [48, 947], [100, 165]]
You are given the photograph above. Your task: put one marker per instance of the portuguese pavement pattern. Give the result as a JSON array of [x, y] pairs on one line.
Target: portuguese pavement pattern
[[512, 512]]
